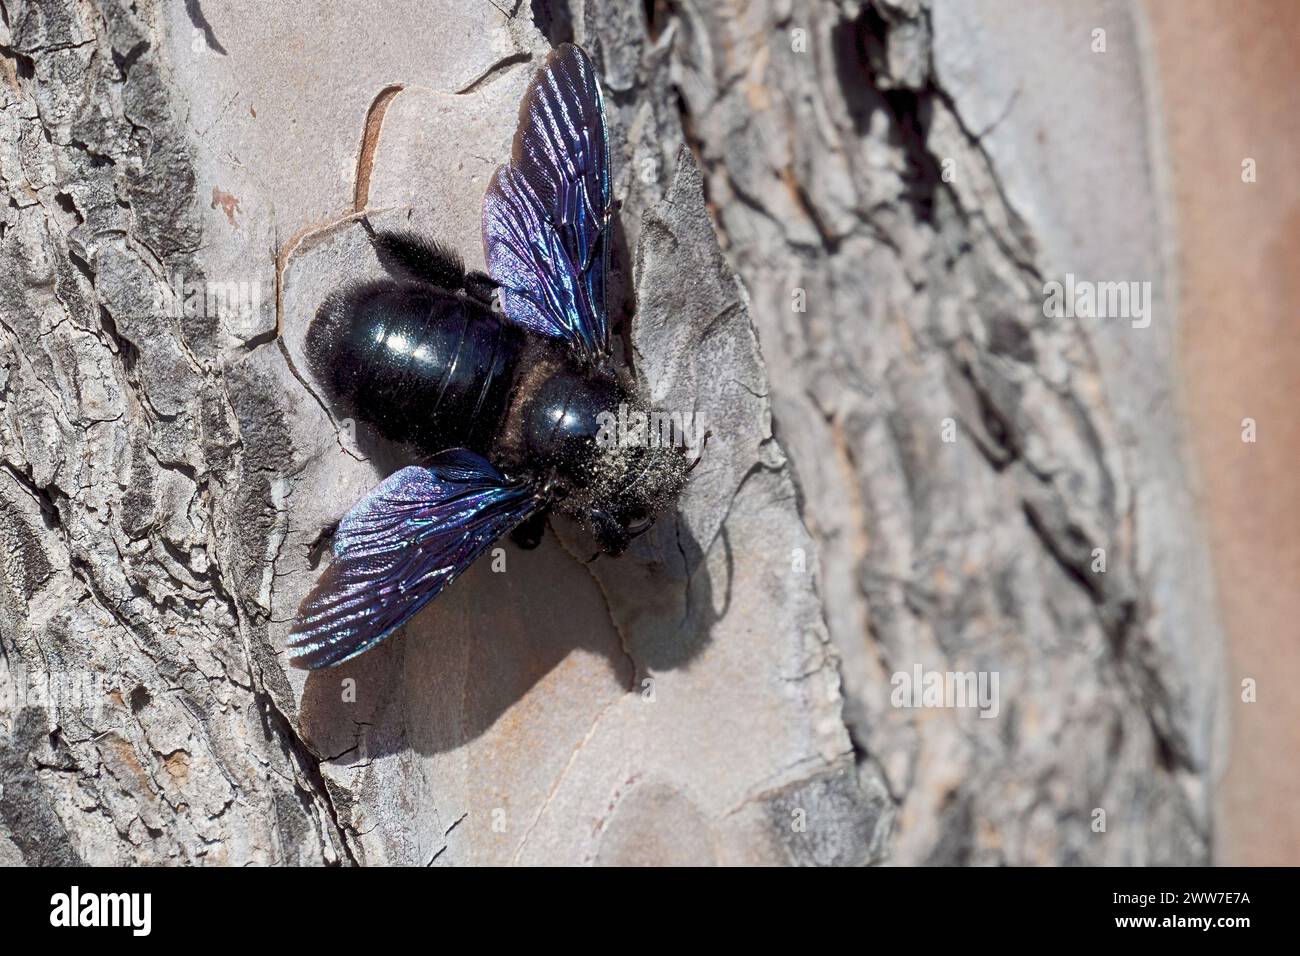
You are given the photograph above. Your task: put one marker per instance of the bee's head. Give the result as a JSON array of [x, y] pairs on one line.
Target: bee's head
[[635, 485], [613, 462]]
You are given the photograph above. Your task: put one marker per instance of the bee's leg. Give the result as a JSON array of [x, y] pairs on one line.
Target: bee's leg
[[703, 445], [420, 258], [324, 539], [481, 287], [528, 533]]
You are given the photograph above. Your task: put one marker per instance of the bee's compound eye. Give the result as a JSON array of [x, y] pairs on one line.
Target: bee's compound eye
[[638, 527]]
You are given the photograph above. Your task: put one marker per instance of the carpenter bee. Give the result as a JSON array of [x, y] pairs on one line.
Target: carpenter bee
[[499, 380]]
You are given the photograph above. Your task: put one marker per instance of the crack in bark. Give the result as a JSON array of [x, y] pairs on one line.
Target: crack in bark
[[369, 143]]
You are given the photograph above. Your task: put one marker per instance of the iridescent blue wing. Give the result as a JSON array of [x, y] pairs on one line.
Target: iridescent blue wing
[[399, 547], [546, 213]]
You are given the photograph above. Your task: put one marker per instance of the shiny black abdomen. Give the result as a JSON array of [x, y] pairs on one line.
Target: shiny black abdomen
[[422, 365]]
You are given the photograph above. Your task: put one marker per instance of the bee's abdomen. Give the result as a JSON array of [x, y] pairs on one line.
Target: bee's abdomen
[[420, 364]]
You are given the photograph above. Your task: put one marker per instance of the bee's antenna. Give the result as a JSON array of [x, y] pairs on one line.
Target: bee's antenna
[[703, 445]]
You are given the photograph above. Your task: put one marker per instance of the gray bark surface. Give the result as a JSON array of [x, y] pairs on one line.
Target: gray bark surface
[[721, 694]]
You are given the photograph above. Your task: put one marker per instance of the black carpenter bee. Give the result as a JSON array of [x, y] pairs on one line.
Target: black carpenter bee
[[500, 378]]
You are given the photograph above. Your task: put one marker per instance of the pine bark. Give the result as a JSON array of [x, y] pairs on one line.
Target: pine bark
[[836, 221]]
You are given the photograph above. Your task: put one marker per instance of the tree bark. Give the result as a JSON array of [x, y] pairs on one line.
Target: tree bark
[[836, 222]]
